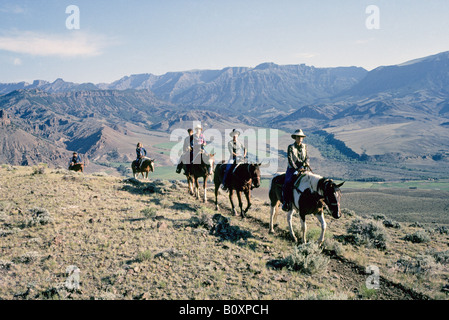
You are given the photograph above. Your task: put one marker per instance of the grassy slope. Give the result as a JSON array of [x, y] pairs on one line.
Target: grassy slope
[[99, 226]]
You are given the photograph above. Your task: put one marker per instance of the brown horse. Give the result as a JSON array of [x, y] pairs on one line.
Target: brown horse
[[311, 196], [194, 171], [79, 167], [243, 178], [146, 167]]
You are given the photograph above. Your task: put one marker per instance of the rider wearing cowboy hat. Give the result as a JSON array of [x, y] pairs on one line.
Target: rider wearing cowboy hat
[[198, 143], [298, 161], [238, 153]]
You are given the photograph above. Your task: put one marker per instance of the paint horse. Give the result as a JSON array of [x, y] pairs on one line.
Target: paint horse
[[311, 194]]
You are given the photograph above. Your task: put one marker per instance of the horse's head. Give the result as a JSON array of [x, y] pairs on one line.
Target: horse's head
[[152, 165], [211, 163], [254, 172], [332, 195]]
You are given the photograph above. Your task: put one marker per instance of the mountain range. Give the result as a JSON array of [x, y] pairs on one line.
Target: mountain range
[[401, 109]]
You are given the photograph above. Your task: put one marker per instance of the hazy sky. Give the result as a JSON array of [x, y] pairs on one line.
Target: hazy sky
[[117, 38]]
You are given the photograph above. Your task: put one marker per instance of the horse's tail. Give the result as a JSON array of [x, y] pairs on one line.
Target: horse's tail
[[217, 173], [273, 193]]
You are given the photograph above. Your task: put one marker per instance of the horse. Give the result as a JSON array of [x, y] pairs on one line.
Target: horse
[[194, 171], [146, 166], [311, 194], [78, 167], [243, 178]]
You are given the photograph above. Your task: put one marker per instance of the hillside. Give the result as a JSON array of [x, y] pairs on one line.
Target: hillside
[[397, 110], [150, 240]]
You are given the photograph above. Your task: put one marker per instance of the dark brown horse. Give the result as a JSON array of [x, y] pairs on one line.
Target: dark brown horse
[[79, 167], [243, 178], [146, 167], [194, 171], [312, 194]]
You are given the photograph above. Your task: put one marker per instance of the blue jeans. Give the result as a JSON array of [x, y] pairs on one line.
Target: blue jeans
[[287, 188], [228, 168]]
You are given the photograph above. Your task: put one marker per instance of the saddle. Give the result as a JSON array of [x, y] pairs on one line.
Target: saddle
[[138, 162]]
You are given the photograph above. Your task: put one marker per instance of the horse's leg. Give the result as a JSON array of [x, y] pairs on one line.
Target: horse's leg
[[231, 192], [290, 225], [303, 229], [272, 216], [216, 195], [320, 218], [205, 187], [239, 197], [190, 182], [197, 188], [248, 200]]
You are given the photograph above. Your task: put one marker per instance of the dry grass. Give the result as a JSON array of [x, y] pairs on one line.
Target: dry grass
[[153, 241]]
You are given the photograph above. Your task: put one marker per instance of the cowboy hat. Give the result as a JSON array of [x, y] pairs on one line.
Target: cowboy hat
[[234, 133], [198, 126], [298, 133]]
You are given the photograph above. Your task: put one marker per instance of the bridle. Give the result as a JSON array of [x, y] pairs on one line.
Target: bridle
[[253, 177], [324, 194]]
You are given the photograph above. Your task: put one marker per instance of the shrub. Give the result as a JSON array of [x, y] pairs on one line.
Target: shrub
[[39, 170], [307, 258], [421, 265], [419, 236], [369, 233], [379, 216], [442, 230], [29, 257], [348, 212], [149, 213], [100, 174], [144, 256], [441, 257], [39, 216], [333, 247], [416, 225], [391, 224]]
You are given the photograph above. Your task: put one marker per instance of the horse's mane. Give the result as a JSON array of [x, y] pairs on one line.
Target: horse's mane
[[309, 180]]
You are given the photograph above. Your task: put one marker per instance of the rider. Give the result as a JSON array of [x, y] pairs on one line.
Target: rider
[[188, 150], [238, 153], [76, 159], [140, 153], [198, 144], [298, 161]]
